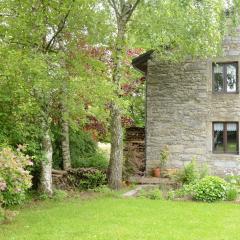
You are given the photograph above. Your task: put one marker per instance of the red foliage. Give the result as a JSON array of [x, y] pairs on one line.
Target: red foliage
[[95, 127], [130, 88], [127, 121]]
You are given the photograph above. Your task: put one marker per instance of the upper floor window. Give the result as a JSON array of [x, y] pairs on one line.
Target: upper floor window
[[225, 77]]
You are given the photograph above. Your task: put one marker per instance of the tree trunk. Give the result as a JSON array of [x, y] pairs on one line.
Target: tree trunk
[[116, 157], [46, 171], [123, 15], [65, 144]]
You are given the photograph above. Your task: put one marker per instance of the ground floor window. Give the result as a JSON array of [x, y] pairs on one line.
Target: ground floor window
[[225, 137]]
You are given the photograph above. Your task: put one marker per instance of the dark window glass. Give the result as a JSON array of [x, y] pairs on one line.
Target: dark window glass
[[231, 74], [225, 77], [218, 145], [225, 137], [218, 78], [231, 137]]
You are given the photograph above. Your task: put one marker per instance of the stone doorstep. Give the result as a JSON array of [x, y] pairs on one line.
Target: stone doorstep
[[150, 180]]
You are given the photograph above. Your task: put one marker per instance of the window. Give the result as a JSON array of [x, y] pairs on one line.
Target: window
[[225, 77], [225, 137]]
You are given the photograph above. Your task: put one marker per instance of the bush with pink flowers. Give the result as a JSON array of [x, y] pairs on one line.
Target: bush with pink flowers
[[14, 178]]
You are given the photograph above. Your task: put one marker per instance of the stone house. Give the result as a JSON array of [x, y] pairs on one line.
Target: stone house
[[194, 109]]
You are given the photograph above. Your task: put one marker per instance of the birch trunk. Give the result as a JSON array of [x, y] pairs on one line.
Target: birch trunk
[[65, 142], [46, 171], [65, 126]]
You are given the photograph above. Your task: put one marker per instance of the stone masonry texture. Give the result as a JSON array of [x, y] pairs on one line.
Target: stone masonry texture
[[180, 109]]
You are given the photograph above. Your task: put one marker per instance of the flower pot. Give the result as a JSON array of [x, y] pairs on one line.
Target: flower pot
[[157, 172]]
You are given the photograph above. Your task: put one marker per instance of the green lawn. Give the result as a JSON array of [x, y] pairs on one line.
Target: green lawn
[[115, 218]]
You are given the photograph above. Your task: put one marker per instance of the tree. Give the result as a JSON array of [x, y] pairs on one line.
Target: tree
[[40, 33], [123, 11], [175, 30]]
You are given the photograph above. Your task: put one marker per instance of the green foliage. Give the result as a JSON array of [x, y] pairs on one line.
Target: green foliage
[[188, 174], [164, 156], [59, 195], [106, 191], [203, 171], [97, 160], [233, 179], [83, 150], [175, 28], [210, 189], [232, 193], [1, 215], [92, 180], [186, 191], [14, 178], [81, 146], [35, 70], [154, 194]]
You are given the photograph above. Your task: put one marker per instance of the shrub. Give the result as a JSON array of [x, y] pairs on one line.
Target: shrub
[[92, 181], [154, 194], [210, 189], [233, 179], [232, 193], [186, 191], [188, 174], [96, 160], [59, 194], [171, 195], [14, 178], [204, 171]]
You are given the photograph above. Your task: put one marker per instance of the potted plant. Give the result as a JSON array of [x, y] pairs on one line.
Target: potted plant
[[164, 155]]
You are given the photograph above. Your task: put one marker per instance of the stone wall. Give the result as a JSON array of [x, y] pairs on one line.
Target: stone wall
[[181, 108]]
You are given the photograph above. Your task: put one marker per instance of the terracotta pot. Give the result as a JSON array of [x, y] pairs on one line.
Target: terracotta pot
[[157, 172]]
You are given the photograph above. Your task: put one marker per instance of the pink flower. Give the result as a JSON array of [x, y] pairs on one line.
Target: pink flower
[[3, 186], [30, 163]]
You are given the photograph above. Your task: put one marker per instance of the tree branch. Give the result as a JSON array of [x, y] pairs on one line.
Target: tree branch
[[60, 27], [112, 3], [132, 9]]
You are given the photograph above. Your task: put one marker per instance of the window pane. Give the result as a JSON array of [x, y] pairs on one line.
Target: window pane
[[218, 77], [231, 137], [231, 77], [218, 145]]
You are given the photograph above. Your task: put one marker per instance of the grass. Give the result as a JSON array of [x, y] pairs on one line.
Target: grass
[[107, 218]]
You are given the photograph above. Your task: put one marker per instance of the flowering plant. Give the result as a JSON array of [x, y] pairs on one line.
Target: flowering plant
[[14, 178]]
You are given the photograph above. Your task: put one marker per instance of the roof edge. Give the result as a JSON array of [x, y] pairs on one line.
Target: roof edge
[[140, 62]]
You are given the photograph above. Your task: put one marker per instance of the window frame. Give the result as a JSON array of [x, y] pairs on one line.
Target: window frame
[[225, 137], [224, 91]]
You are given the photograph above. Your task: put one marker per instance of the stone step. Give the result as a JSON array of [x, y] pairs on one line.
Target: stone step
[[150, 180]]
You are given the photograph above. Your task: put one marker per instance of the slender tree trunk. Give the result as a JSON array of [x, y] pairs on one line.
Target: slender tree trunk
[[46, 171], [65, 127], [65, 141], [116, 157]]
